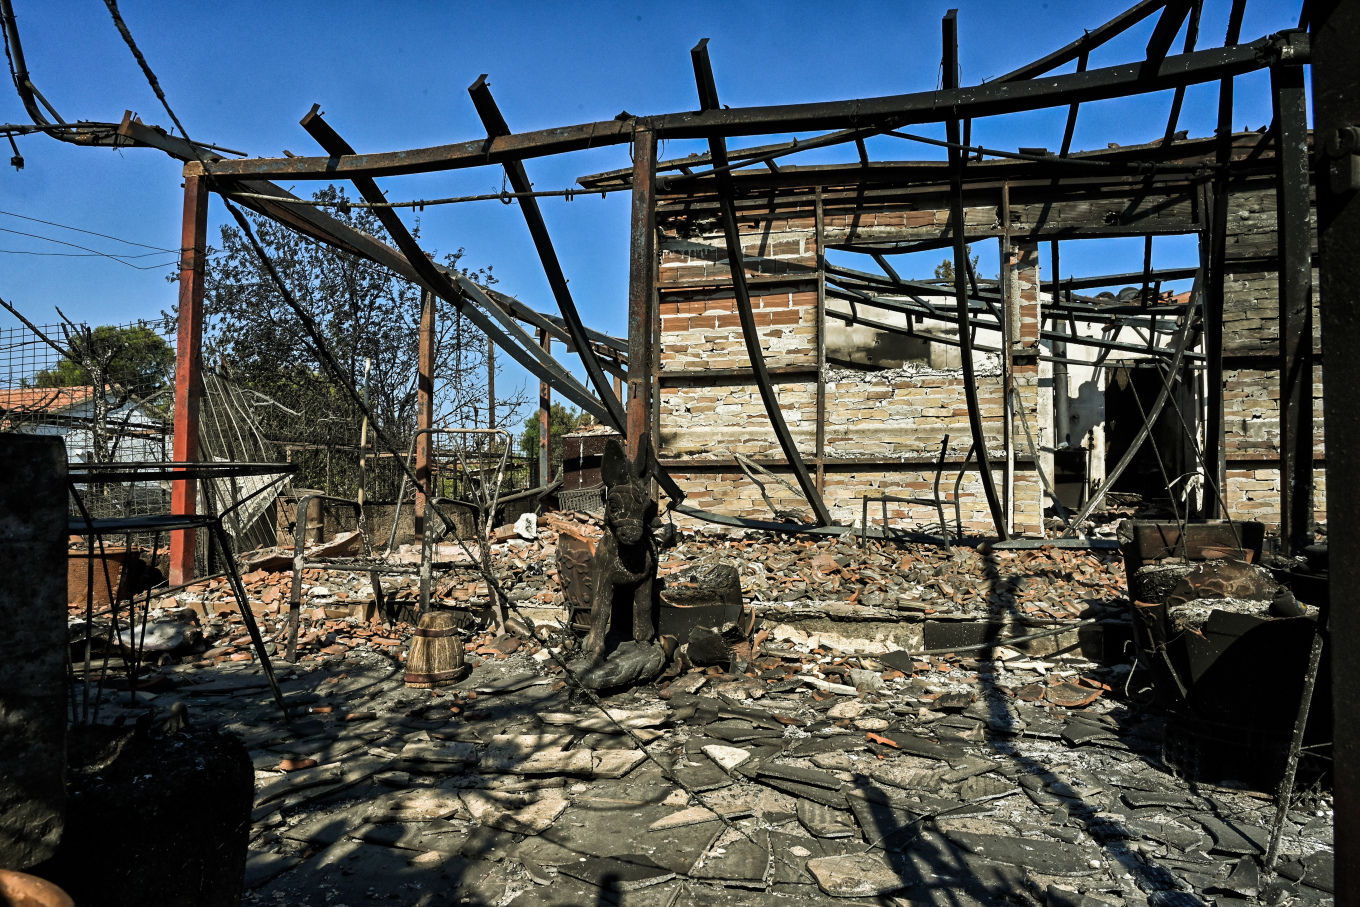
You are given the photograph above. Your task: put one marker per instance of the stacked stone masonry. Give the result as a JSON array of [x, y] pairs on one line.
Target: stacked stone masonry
[[884, 429]]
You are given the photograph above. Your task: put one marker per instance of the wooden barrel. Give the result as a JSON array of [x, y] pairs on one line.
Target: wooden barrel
[[436, 656]]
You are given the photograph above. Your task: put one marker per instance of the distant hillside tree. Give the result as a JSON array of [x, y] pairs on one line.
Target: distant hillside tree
[[945, 269]]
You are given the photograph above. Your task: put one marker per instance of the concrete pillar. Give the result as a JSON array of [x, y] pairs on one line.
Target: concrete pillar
[[1032, 381], [33, 642]]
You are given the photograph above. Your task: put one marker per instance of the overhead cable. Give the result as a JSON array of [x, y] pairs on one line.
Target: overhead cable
[[51, 223]]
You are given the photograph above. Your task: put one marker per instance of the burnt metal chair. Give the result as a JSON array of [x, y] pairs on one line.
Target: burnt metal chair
[[934, 501], [116, 472]]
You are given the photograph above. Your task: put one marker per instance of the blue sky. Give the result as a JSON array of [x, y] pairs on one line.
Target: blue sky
[[395, 75]]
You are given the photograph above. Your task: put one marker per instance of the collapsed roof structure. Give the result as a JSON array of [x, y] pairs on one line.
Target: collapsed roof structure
[[1032, 398]]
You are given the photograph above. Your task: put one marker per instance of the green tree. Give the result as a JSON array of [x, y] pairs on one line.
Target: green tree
[[369, 318], [561, 419], [138, 360], [118, 364], [945, 269]]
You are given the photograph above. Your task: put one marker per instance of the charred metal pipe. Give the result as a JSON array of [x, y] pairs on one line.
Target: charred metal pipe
[[708, 99]]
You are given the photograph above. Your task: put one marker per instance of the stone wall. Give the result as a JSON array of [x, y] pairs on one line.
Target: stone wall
[[1251, 393], [884, 430]]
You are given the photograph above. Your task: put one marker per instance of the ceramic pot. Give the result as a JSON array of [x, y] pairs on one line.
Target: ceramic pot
[[19, 889]]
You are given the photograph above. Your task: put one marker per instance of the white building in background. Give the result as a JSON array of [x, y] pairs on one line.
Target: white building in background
[[135, 431]]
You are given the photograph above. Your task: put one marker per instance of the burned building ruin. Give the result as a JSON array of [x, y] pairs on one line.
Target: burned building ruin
[[950, 589]]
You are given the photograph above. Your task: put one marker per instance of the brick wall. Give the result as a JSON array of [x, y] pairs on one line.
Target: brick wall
[[1251, 394], [884, 429]]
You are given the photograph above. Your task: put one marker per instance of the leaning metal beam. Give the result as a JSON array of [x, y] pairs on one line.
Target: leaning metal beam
[[1178, 99], [323, 228], [1173, 376], [554, 325], [991, 99], [320, 226], [496, 127], [1087, 42], [1168, 25], [949, 30], [455, 288], [708, 100]]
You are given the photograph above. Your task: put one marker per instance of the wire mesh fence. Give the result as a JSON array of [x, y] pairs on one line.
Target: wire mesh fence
[[108, 392]]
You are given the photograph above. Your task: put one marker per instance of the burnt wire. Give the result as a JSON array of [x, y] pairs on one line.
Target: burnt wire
[[146, 70], [50, 223], [494, 586]]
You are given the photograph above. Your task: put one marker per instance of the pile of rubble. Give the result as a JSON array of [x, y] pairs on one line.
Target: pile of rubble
[[805, 770], [784, 580]]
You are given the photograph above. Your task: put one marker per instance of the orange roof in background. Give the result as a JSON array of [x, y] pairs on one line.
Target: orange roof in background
[[43, 399]]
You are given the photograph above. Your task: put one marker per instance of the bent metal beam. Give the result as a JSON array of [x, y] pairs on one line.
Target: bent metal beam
[[992, 99], [708, 98]]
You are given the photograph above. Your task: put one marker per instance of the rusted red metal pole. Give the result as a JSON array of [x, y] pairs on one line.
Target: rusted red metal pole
[[424, 406], [188, 368], [641, 267]]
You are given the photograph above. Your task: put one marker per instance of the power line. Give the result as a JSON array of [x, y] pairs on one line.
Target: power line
[[51, 223], [62, 242], [86, 255]]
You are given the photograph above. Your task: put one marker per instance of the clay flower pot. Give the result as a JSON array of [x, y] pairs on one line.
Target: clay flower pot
[[19, 889]]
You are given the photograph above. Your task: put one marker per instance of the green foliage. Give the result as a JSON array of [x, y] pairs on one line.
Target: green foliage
[[138, 359], [368, 316], [945, 269], [561, 419]]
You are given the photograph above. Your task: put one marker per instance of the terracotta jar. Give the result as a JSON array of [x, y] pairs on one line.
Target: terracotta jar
[[19, 889]]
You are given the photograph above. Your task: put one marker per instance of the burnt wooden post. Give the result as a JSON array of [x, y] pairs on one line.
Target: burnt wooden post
[[188, 368], [641, 298], [1215, 443], [544, 417], [1336, 113], [1296, 306], [424, 408], [821, 343]]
